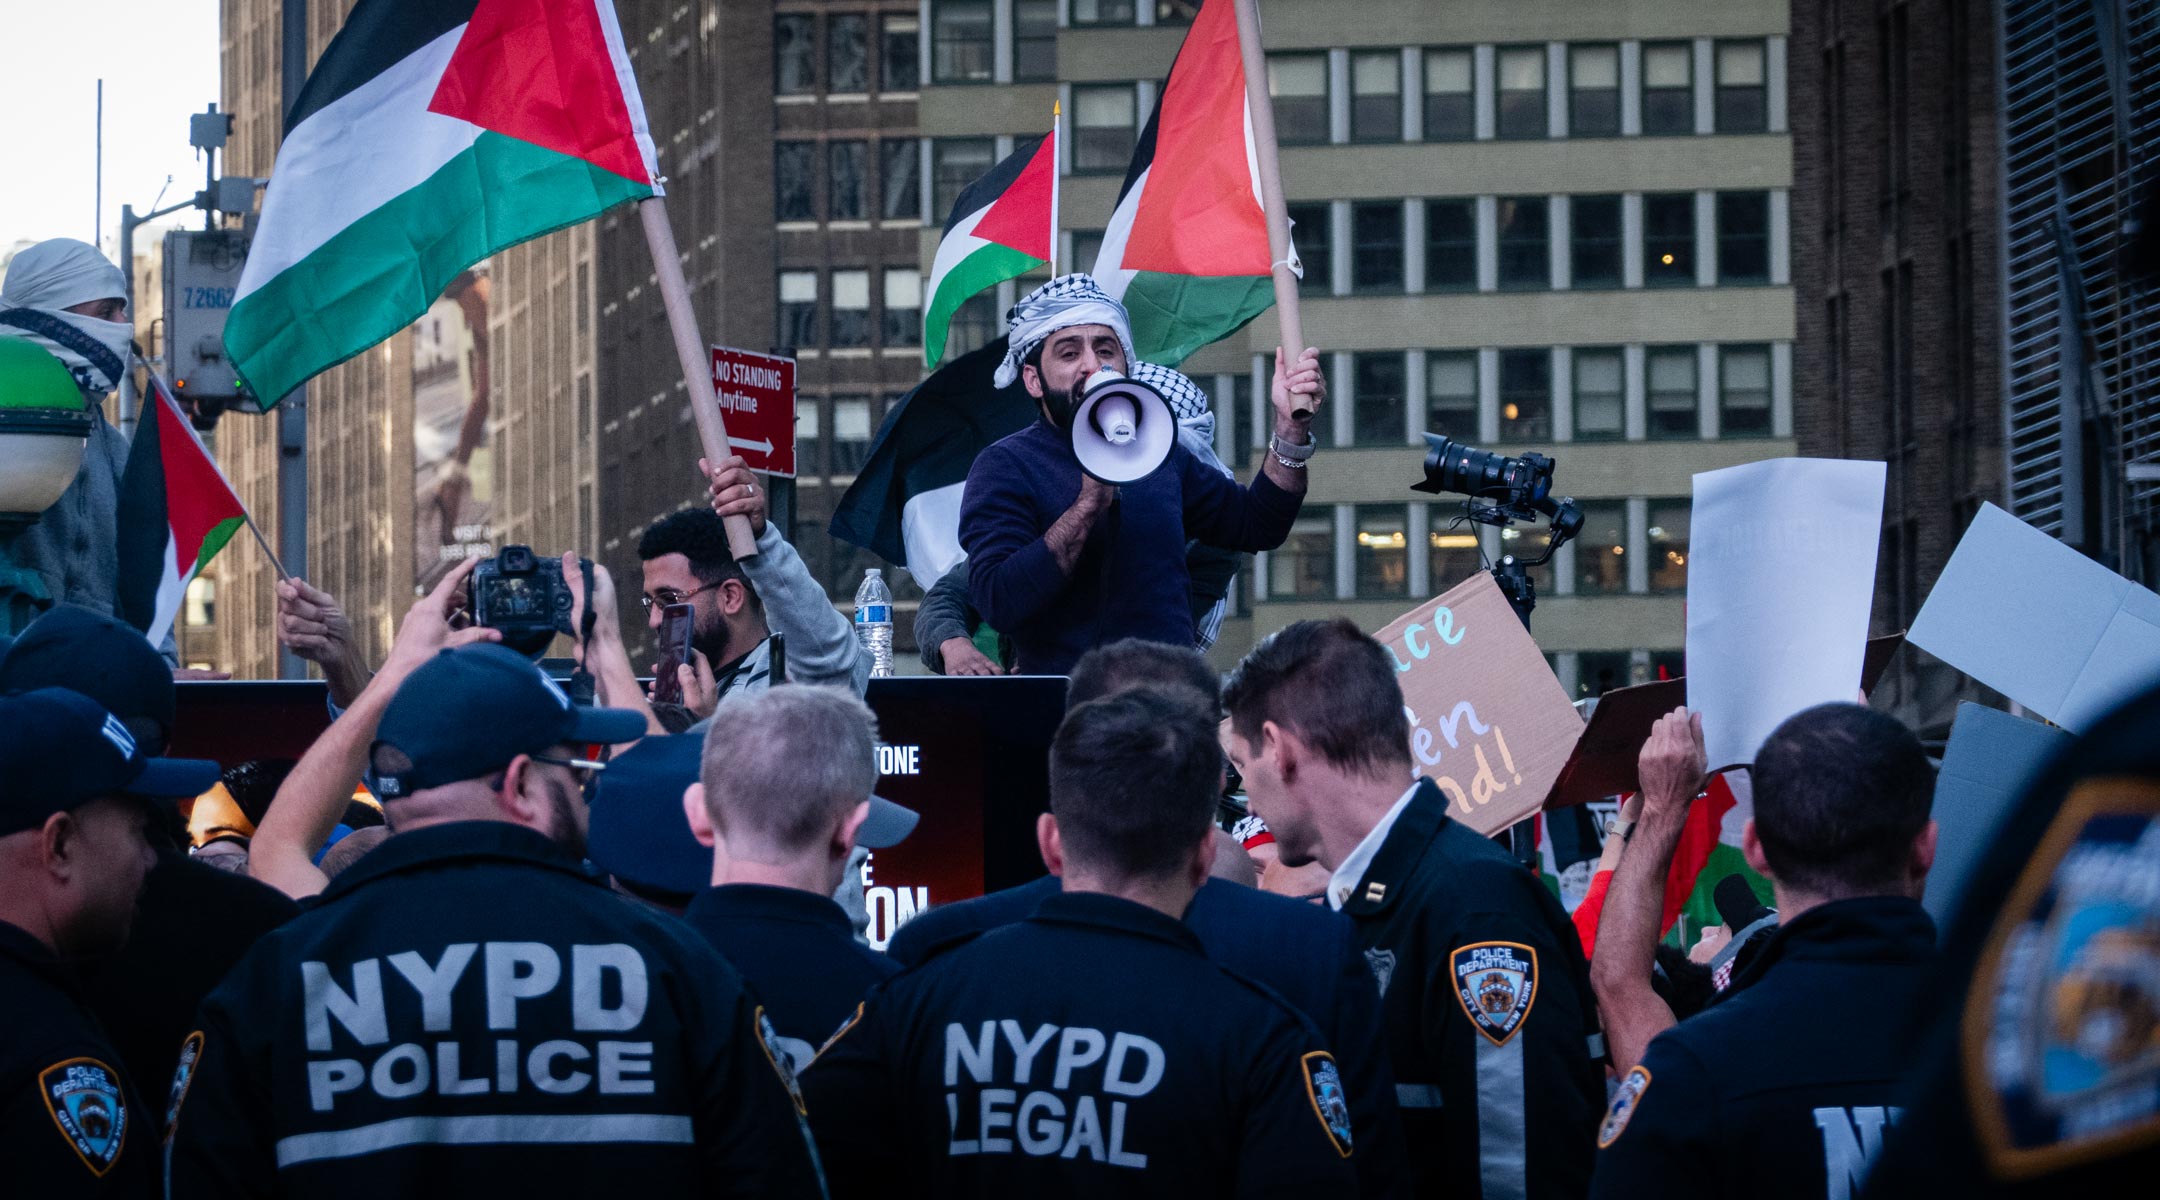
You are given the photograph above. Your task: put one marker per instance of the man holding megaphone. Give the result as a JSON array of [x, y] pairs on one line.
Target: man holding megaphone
[[1076, 527]]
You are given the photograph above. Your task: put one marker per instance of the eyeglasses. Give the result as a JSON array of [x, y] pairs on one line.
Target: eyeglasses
[[667, 596], [586, 769]]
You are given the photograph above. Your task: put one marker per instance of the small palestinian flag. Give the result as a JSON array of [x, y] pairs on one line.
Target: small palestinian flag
[[431, 134], [1187, 247], [1001, 228], [904, 505], [176, 511]]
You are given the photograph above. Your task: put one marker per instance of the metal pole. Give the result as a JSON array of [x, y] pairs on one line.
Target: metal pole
[[127, 271], [292, 503], [97, 193]]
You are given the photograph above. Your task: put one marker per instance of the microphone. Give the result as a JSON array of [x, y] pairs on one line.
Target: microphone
[[1736, 903]]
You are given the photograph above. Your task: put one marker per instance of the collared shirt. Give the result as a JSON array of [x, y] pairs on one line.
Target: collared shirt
[[1352, 869]]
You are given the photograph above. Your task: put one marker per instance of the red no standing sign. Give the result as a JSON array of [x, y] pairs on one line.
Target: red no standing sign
[[757, 400]]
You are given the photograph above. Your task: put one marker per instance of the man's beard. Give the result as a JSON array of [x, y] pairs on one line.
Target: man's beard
[[713, 643], [1061, 404], [564, 829]]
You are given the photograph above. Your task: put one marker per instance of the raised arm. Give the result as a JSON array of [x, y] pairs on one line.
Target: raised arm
[[1671, 769], [821, 644]]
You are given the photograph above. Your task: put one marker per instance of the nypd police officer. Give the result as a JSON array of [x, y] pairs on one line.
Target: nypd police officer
[[468, 1003], [1484, 992], [72, 862], [1091, 1049]]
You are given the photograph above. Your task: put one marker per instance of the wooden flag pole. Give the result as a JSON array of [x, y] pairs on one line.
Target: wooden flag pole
[[696, 360], [1262, 109], [1057, 121]]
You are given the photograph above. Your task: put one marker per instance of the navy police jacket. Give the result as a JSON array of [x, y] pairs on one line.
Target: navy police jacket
[[466, 1011], [70, 1123], [1090, 1050], [798, 952], [1486, 1000], [1788, 1082], [1308, 955]]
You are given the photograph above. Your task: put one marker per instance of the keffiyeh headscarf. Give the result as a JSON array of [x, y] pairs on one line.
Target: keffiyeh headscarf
[[1062, 303], [45, 280]]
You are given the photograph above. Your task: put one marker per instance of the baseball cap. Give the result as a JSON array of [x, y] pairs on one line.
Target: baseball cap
[[638, 832], [98, 656], [467, 712], [59, 750]]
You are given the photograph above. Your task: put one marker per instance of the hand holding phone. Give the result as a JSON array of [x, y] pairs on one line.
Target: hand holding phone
[[677, 625]]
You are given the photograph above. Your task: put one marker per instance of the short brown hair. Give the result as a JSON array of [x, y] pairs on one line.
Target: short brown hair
[[1334, 687], [779, 767], [1136, 662], [1132, 781]]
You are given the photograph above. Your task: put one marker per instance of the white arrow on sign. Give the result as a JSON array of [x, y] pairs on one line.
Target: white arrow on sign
[[762, 447]]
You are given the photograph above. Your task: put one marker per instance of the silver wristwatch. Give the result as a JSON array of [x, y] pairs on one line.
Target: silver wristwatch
[[1293, 457]]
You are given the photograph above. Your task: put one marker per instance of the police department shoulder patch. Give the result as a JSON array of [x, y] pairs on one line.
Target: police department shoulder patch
[[1323, 1086], [1624, 1099], [777, 1053], [1496, 983], [183, 1075], [86, 1102], [2061, 1028]]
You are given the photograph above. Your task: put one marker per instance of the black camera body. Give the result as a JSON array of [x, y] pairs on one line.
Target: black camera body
[[523, 597]]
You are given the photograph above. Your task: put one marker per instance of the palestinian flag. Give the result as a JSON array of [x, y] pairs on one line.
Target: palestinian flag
[[176, 511], [1709, 850], [432, 134], [1000, 228], [904, 505], [1187, 247]]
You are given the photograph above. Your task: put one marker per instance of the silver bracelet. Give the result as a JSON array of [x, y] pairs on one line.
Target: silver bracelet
[[1293, 457]]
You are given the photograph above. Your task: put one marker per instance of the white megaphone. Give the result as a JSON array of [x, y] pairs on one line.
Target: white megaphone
[[1123, 429]]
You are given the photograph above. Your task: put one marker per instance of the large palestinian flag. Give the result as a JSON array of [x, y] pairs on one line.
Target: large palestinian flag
[[1187, 247], [1000, 228], [176, 511], [432, 134]]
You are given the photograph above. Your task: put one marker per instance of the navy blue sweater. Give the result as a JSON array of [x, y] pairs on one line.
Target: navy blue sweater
[[1019, 487]]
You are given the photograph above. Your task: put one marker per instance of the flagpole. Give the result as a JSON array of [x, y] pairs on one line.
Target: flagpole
[[268, 553], [1262, 110], [690, 348], [1056, 148]]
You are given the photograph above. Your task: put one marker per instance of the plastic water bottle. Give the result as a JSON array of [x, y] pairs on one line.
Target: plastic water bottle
[[873, 620]]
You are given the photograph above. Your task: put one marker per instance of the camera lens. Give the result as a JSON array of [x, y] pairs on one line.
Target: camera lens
[[1452, 466]]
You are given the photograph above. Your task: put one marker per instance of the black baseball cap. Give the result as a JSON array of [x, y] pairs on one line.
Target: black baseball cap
[[467, 712], [60, 749], [638, 832], [101, 657]]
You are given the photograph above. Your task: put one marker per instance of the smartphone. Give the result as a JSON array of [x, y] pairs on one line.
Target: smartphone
[[677, 622]]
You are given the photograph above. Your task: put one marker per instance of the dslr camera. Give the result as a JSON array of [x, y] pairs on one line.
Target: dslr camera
[[523, 596]]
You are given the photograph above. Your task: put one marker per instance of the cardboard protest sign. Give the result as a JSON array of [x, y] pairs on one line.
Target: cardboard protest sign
[[1488, 721], [2040, 623], [1781, 577]]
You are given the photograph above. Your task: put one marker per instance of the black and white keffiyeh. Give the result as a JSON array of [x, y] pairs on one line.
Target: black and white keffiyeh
[[1062, 303]]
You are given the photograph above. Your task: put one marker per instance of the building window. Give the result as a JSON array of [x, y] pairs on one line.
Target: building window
[[960, 41], [1298, 85], [1744, 391], [1521, 112], [850, 433], [956, 163], [201, 597], [899, 62], [1103, 127], [1668, 87], [1525, 395], [809, 426], [1451, 394], [1376, 247], [794, 181], [847, 53], [1377, 398], [1601, 548], [1668, 544], [1376, 96], [1600, 404], [1451, 245], [850, 308], [1450, 102], [1034, 40], [1743, 93], [1304, 565], [1238, 420], [1310, 228], [1383, 550], [845, 166], [1452, 545], [1743, 237], [794, 54], [1525, 250], [1594, 242], [1669, 240], [1086, 248], [1674, 410], [1103, 12], [903, 307], [798, 309], [899, 172], [973, 324], [1594, 91]]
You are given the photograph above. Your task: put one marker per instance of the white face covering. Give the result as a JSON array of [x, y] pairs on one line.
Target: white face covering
[[56, 275]]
